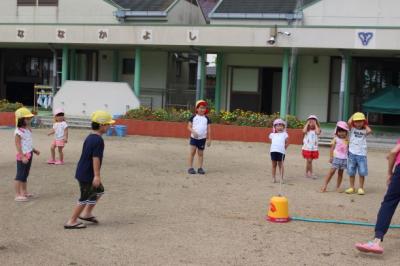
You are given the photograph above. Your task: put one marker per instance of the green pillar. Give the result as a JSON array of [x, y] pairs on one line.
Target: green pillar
[[138, 71], [116, 66], [72, 69], [285, 82], [218, 81], [203, 73], [293, 87], [346, 100], [64, 71]]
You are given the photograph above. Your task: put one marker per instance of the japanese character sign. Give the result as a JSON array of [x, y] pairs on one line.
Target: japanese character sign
[[21, 34], [61, 34], [192, 35], [103, 34]]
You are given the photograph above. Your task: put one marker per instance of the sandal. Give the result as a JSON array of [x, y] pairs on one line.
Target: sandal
[[91, 219], [191, 171], [201, 171], [75, 226], [50, 161], [21, 199], [369, 247]]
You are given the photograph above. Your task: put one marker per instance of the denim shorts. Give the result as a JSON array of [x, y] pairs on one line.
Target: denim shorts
[[357, 163], [339, 164], [198, 143]]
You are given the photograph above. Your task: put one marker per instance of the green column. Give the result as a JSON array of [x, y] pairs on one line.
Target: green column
[[293, 87], [285, 82], [346, 100], [138, 71], [116, 66], [203, 73], [218, 81], [72, 69], [64, 71]]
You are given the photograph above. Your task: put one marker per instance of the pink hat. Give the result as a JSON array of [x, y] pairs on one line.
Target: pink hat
[[277, 122], [342, 125], [312, 117], [58, 111]]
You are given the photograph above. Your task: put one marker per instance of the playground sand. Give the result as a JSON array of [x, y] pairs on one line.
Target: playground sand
[[154, 213]]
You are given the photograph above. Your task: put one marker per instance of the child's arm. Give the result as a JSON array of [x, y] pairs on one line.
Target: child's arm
[[190, 128], [305, 128], [350, 122], [96, 170], [19, 148], [66, 135], [286, 143], [332, 150], [208, 135], [52, 131], [317, 129], [368, 129], [391, 157]]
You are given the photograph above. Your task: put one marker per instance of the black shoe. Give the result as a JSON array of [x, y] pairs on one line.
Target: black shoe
[[200, 171], [191, 171]]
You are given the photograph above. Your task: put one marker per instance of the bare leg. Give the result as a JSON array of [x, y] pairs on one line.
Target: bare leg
[[274, 163], [339, 179], [61, 153], [328, 179], [309, 168], [352, 181], [24, 189], [200, 157], [87, 212], [362, 181], [18, 188], [191, 155], [281, 170], [75, 214], [53, 152]]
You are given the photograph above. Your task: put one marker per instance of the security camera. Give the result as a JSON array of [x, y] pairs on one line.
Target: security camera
[[271, 40]]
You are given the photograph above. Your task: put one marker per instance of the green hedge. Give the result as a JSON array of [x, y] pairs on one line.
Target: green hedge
[[6, 106], [237, 117]]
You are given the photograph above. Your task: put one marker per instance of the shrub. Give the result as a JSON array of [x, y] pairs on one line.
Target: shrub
[[6, 106]]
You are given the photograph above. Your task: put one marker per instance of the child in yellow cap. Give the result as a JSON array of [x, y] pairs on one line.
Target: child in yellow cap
[[88, 172], [200, 134], [25, 150], [357, 160]]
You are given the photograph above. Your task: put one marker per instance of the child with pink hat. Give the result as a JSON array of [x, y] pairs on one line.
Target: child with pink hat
[[279, 144], [338, 155], [60, 132], [310, 152]]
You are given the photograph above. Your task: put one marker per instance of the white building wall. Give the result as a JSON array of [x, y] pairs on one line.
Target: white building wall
[[353, 13], [313, 87], [185, 13], [253, 60], [106, 60], [68, 11]]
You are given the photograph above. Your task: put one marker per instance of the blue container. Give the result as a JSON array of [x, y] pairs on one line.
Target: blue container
[[117, 116], [110, 131], [120, 130]]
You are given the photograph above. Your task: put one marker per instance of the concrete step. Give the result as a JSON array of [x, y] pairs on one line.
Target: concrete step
[[73, 122]]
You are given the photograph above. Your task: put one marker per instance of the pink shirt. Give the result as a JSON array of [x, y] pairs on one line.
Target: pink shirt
[[341, 148], [397, 156]]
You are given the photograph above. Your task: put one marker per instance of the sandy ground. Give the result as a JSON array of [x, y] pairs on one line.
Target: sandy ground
[[156, 214]]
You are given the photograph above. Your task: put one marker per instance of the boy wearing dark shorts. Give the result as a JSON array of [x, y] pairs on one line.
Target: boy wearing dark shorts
[[199, 127], [88, 172]]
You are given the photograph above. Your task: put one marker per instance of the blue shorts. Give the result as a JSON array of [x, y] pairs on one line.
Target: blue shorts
[[339, 164], [198, 143], [357, 163], [277, 156]]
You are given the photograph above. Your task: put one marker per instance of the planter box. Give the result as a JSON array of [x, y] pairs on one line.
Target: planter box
[[218, 131], [7, 119]]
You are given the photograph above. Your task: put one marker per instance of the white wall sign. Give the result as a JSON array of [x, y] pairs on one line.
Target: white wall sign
[[192, 36], [21, 34], [61, 34], [365, 39], [102, 34]]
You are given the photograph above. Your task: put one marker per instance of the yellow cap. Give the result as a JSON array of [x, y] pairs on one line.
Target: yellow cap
[[102, 118], [358, 117], [22, 112]]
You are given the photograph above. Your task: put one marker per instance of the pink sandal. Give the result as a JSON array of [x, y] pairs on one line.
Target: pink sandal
[[369, 247], [59, 162], [50, 161]]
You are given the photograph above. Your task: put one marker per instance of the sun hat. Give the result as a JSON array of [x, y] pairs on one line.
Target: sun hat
[[277, 122], [342, 125], [22, 112], [58, 111], [358, 117], [201, 103], [102, 118], [313, 117]]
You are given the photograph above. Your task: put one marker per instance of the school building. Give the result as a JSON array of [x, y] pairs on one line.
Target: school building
[[325, 57]]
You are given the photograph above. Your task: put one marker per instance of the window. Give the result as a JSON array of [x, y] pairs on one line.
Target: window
[[128, 66], [37, 2]]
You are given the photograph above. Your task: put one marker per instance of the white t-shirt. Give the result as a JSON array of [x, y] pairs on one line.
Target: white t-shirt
[[310, 141], [26, 139], [59, 128], [278, 141], [199, 125], [358, 141]]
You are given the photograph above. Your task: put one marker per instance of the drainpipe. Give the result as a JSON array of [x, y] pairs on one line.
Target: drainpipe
[[344, 93], [200, 73], [54, 68]]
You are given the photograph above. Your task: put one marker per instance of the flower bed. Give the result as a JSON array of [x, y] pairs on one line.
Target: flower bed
[[7, 109]]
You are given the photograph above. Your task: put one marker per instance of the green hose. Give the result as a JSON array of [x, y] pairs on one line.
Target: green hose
[[338, 222]]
